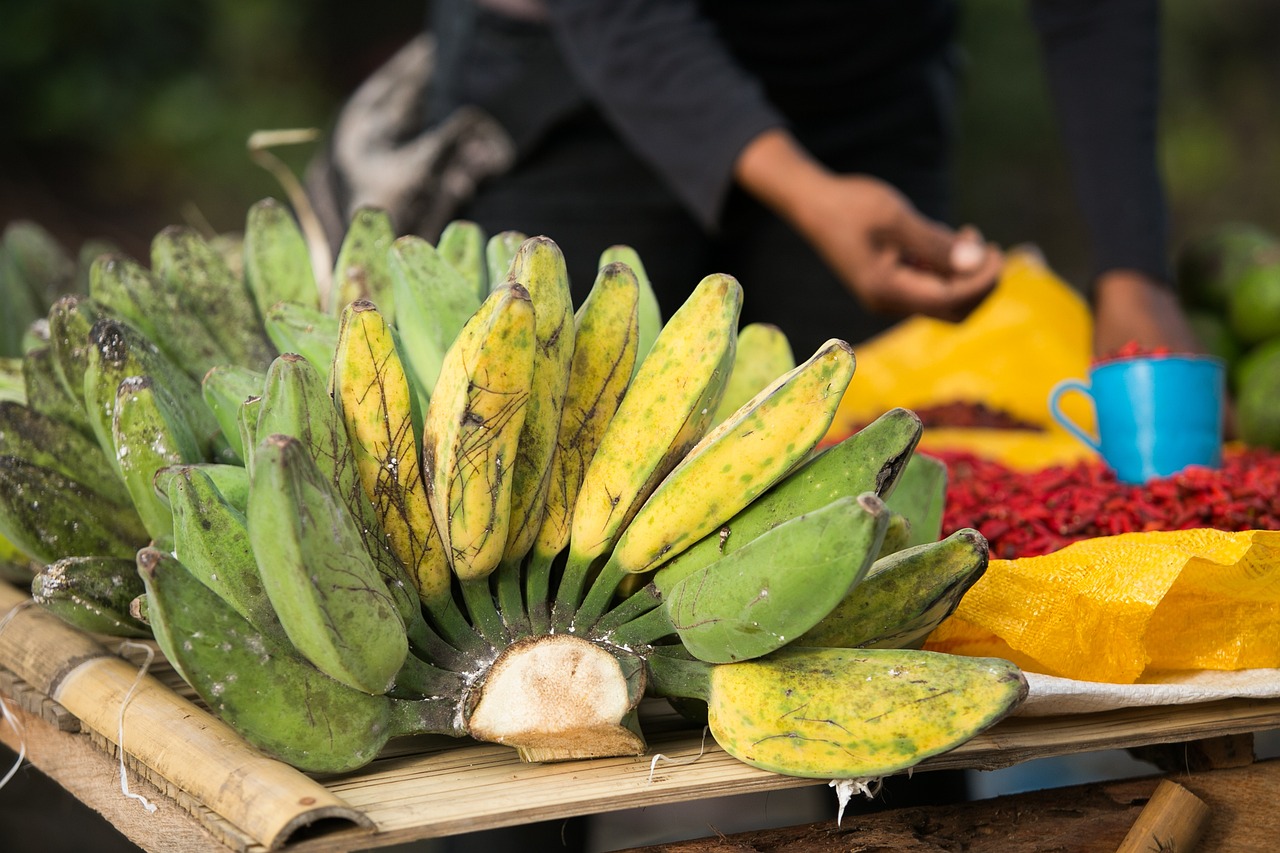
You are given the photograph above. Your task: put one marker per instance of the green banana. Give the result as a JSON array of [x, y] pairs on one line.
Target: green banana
[[34, 272], [665, 412], [433, 303], [277, 262], [904, 595], [321, 581], [44, 391], [209, 290], [371, 390], [362, 270], [499, 250], [763, 354], [462, 244], [49, 515], [12, 385], [120, 351], [70, 320], [896, 535], [92, 593], [772, 590], [224, 388], [211, 539], [231, 481], [155, 307], [273, 697], [921, 496], [472, 429], [648, 310], [306, 331], [149, 434], [870, 460], [56, 445], [604, 352], [844, 713]]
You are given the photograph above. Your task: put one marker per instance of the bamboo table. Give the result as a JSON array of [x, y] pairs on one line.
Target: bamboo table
[[216, 793]]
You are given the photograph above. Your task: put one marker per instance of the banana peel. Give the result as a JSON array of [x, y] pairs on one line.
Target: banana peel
[[1031, 332], [1118, 608]]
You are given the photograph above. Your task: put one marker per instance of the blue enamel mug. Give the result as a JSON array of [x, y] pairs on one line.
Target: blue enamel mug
[[1155, 415]]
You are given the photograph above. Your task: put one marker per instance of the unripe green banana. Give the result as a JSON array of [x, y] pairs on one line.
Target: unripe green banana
[[472, 429], [772, 590], [373, 396], [120, 351], [209, 290], [211, 539], [34, 272], [92, 593], [155, 307], [763, 354], [870, 460], [224, 388], [44, 391], [904, 595], [648, 311], [499, 251], [56, 445], [433, 302], [150, 433], [49, 515], [844, 713], [322, 582], [362, 270], [277, 262], [603, 356], [231, 481], [921, 496], [70, 320], [462, 244], [666, 411], [307, 331], [274, 698]]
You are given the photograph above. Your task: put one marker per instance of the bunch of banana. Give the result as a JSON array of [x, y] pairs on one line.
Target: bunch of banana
[[440, 499]]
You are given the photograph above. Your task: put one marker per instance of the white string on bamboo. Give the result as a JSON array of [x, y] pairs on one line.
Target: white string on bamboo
[[653, 765], [9, 716], [124, 776]]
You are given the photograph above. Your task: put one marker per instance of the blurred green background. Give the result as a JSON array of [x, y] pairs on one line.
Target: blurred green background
[[121, 118]]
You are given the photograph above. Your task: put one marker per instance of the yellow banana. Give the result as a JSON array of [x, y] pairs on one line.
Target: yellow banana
[[372, 393], [665, 412], [472, 429], [730, 467], [604, 353], [539, 266]]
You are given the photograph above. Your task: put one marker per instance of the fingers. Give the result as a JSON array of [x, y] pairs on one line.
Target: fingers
[[900, 288]]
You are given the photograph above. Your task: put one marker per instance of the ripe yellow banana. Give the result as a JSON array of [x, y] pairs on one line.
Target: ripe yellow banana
[[372, 393], [732, 465], [606, 338], [472, 429], [665, 412]]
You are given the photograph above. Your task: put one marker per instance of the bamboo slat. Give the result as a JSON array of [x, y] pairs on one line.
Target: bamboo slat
[[192, 749]]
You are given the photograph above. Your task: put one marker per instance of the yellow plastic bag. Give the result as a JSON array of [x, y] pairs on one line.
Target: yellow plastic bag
[[1113, 608], [1031, 332]]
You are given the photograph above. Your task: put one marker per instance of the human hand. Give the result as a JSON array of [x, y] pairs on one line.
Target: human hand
[[894, 259], [891, 257], [1131, 307]]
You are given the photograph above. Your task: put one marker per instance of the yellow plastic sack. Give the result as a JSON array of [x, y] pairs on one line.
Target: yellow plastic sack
[[1032, 331], [1115, 608]]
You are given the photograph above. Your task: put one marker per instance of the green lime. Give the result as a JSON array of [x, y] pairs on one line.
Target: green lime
[[1265, 356], [1258, 397], [1210, 265], [1253, 309], [1212, 330]]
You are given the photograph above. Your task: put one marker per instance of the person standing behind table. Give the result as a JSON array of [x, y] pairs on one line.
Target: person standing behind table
[[803, 147]]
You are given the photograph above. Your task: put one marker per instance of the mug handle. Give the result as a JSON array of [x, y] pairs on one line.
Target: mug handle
[[1069, 425]]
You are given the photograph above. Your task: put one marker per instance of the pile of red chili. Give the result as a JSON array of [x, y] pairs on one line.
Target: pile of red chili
[[1025, 514]]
